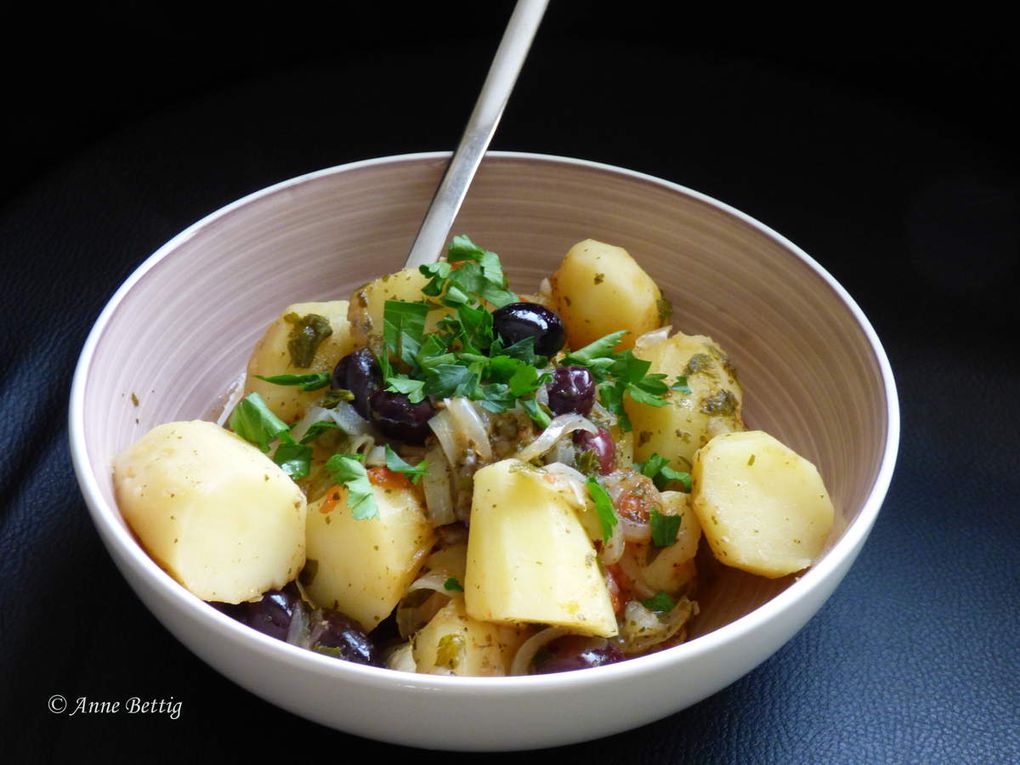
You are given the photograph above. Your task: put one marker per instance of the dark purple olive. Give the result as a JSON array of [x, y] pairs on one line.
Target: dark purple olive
[[397, 417], [601, 444], [271, 615], [572, 390], [359, 373], [334, 634], [573, 652], [517, 321]]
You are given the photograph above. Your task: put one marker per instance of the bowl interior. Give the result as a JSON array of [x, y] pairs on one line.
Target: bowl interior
[[184, 326]]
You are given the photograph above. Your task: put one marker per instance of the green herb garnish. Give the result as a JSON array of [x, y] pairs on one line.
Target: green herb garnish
[[347, 469], [306, 335], [397, 465], [255, 422], [306, 382], [317, 429], [660, 602], [452, 585], [603, 506], [295, 459], [664, 528], [657, 468]]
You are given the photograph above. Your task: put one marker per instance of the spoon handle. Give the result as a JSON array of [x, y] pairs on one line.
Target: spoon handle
[[513, 49]]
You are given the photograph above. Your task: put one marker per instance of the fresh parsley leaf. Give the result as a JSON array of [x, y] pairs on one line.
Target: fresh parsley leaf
[[404, 329], [522, 350], [657, 468], [413, 389], [446, 380], [295, 459], [680, 386], [317, 429], [397, 465], [255, 422], [452, 585], [526, 380], [599, 353], [536, 412], [603, 506], [664, 528], [307, 382], [660, 602], [477, 333], [462, 248], [348, 470]]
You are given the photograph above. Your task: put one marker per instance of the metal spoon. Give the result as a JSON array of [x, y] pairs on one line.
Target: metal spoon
[[513, 49]]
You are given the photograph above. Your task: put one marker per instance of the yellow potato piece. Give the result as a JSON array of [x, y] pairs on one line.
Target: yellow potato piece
[[763, 508], [454, 643], [272, 357], [673, 566], [529, 558], [369, 302], [212, 509], [713, 406], [363, 567], [599, 289]]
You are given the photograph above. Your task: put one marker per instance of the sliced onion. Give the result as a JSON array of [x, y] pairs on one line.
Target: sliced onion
[[438, 491], [442, 426], [350, 422], [313, 415], [416, 610], [469, 427], [526, 653], [375, 456], [632, 569], [559, 427], [568, 482], [642, 629], [654, 337], [433, 580], [402, 659], [563, 451]]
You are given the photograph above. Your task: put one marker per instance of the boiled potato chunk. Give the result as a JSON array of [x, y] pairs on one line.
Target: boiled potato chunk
[[453, 643], [529, 558], [364, 567], [688, 421], [212, 509], [763, 507], [599, 289], [673, 567], [369, 302], [272, 357]]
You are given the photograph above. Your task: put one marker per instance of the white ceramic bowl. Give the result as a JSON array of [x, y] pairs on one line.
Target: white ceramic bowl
[[179, 331]]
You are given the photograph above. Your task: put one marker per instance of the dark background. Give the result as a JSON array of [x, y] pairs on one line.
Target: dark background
[[883, 147]]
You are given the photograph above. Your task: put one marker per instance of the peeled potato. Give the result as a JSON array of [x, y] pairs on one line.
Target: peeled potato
[[688, 421], [369, 301], [764, 508], [454, 643], [529, 558], [364, 567], [212, 509], [272, 357], [599, 289]]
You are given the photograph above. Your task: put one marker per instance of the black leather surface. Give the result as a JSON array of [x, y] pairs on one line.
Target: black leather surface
[[887, 154]]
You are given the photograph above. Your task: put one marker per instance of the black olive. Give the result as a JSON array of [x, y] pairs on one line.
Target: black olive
[[572, 390], [517, 321], [359, 373], [397, 417]]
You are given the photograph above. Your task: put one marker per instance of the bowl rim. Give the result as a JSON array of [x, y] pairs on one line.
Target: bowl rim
[[115, 534]]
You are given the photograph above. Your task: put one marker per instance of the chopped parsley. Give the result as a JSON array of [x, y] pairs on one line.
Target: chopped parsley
[[348, 470], [294, 458], [660, 602], [657, 468], [317, 429], [452, 585], [603, 507], [306, 336], [255, 422], [469, 274], [664, 528], [397, 465], [306, 382]]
